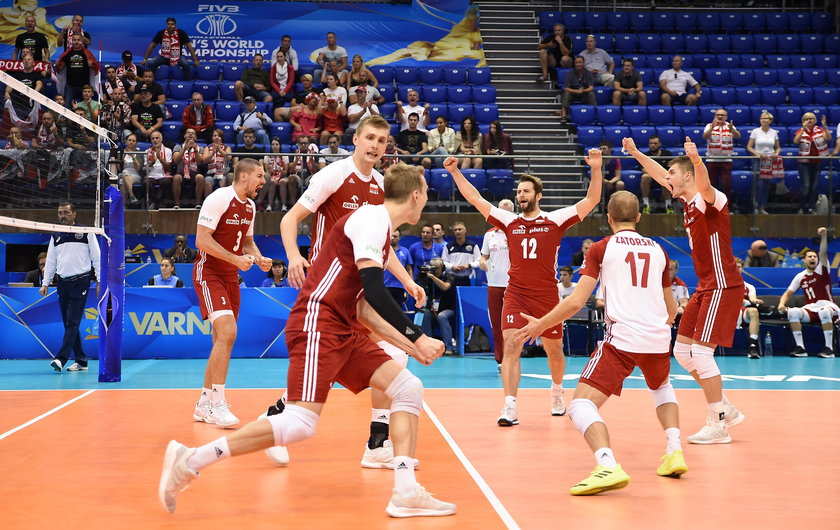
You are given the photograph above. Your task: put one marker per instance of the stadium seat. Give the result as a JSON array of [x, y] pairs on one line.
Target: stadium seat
[[787, 42], [227, 128], [640, 134], [827, 96], [662, 21], [388, 111], [227, 91], [819, 111], [822, 22], [596, 21], [649, 43], [742, 182], [801, 61], [486, 112], [813, 77], [784, 135], [632, 179], [484, 93], [402, 91], [386, 90], [406, 75], [209, 72], [800, 22], [233, 72], [626, 43], [800, 95], [832, 42], [755, 22], [578, 41], [790, 77], [590, 135], [756, 110], [834, 114], [282, 130], [740, 115], [476, 177], [459, 93], [717, 77], [695, 132], [728, 60], [304, 69], [765, 77], [792, 179], [672, 43], [500, 183], [832, 77], [441, 181], [227, 110], [619, 21], [685, 23], [704, 62], [574, 19], [741, 43], [660, 115], [383, 74], [751, 60], [180, 90], [171, 130], [657, 61], [208, 89], [723, 95], [608, 114], [823, 182], [548, 19], [616, 133], [748, 95], [790, 163], [698, 42], [653, 95], [706, 112], [457, 112], [741, 163], [176, 107], [708, 22], [686, 115], [634, 114], [455, 75], [776, 21], [436, 110], [161, 73], [718, 43], [788, 115], [811, 43], [605, 41], [479, 76], [825, 61], [433, 93], [671, 135], [431, 76], [647, 76], [395, 129], [603, 95], [583, 114], [777, 61], [640, 22], [740, 77]]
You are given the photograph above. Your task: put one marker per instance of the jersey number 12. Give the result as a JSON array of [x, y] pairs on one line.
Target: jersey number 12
[[529, 248]]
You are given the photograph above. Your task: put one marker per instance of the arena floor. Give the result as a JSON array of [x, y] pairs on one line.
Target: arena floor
[[83, 454]]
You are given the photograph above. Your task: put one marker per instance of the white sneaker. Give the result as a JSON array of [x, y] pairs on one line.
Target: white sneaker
[[278, 453], [56, 364], [202, 411], [421, 504], [379, 457], [733, 416], [558, 403], [508, 417], [220, 415], [175, 477], [714, 432], [76, 367]]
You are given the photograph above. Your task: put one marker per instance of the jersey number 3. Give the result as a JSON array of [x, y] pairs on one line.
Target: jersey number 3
[[529, 248], [238, 240], [631, 260]]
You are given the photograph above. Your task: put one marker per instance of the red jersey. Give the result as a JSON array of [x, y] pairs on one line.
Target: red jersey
[[533, 245], [338, 189], [327, 300], [231, 219], [816, 285], [710, 238]]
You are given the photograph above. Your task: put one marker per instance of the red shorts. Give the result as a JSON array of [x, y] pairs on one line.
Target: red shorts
[[608, 367], [317, 360], [712, 316], [217, 295], [534, 304]]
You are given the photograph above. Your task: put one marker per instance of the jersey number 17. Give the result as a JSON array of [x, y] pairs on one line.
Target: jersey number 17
[[630, 259]]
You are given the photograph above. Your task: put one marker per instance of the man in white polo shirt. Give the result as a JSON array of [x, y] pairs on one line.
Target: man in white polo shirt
[[675, 83]]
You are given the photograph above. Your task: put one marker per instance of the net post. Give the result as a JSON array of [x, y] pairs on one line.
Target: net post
[[112, 286]]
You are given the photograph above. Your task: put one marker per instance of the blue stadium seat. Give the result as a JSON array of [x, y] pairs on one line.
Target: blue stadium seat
[[180, 90], [823, 182], [819, 111], [615, 133], [748, 95], [827, 96], [603, 95], [764, 43], [811, 43], [788, 115], [176, 107], [476, 177], [431, 76], [765, 77], [787, 43], [777, 21], [777, 61], [639, 60], [177, 74], [697, 42], [657, 61], [648, 78], [822, 22], [832, 42], [619, 21], [825, 61], [717, 77], [574, 19], [685, 22], [800, 95], [673, 43], [723, 95], [634, 114], [457, 112], [632, 179], [741, 182], [304, 69], [813, 76], [388, 111], [641, 133], [649, 43], [832, 77], [608, 114], [653, 95], [227, 91], [500, 183], [755, 22], [790, 77], [484, 93], [583, 114], [282, 130], [208, 89], [800, 22], [486, 112], [706, 112], [751, 60], [704, 62], [834, 114], [549, 18], [161, 73], [792, 178], [801, 61], [728, 60], [478, 76], [784, 135], [402, 91], [227, 128], [436, 110], [578, 41], [228, 110], [386, 90], [791, 129], [455, 75], [590, 135], [660, 114], [662, 21], [740, 115], [441, 181], [406, 75], [719, 44], [626, 43], [739, 43], [671, 135], [233, 72], [433, 93], [171, 130], [383, 74], [640, 22], [695, 132], [459, 93], [708, 22], [686, 115], [741, 77], [596, 21], [209, 72]]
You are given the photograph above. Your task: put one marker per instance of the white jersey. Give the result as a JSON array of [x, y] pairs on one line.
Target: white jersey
[[633, 271], [421, 112], [495, 245], [566, 291]]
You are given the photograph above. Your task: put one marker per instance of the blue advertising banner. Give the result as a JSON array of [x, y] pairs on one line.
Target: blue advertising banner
[[433, 32]]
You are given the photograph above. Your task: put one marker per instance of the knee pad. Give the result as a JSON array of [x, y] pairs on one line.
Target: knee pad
[[682, 352], [795, 314], [583, 414], [664, 394], [704, 361], [396, 354], [825, 314], [406, 393], [293, 425]]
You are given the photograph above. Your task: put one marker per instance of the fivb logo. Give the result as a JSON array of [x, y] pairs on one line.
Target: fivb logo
[[217, 21]]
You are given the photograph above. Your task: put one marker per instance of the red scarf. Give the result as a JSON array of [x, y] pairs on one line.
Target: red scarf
[[815, 137], [170, 47], [189, 162], [771, 168], [276, 163], [217, 165], [720, 142]]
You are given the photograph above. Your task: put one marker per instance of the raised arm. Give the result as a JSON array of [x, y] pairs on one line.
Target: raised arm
[[593, 194], [701, 174], [651, 166], [823, 233], [472, 195]]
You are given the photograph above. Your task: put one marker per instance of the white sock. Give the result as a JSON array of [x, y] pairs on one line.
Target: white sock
[[218, 394], [724, 399], [510, 401], [404, 481], [667, 203], [797, 336], [754, 337], [208, 454], [604, 457], [380, 415], [205, 396], [556, 389], [645, 201], [672, 434], [829, 338]]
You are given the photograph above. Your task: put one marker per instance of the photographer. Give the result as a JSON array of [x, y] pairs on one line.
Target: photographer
[[580, 86], [180, 253], [440, 300]]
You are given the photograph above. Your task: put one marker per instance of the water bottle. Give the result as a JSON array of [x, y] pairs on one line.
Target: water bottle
[[148, 259], [786, 260], [768, 345], [418, 318]]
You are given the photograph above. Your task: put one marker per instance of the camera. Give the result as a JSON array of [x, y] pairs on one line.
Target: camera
[[424, 270]]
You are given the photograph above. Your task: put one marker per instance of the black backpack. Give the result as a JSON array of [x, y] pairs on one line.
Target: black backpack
[[476, 340]]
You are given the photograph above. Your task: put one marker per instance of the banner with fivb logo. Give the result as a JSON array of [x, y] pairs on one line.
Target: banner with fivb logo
[[433, 32]]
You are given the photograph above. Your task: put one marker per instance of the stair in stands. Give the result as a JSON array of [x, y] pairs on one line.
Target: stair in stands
[[510, 33]]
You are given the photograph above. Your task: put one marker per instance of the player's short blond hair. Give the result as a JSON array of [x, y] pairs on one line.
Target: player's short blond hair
[[623, 207], [533, 180], [245, 165], [684, 162], [401, 180], [377, 122]]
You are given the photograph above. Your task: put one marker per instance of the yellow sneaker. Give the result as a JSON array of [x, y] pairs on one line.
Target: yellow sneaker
[[602, 479], [673, 464]]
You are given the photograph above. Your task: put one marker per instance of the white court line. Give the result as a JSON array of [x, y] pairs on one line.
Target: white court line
[[479, 480], [44, 415]]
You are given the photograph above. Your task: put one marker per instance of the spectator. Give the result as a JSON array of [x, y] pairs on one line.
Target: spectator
[[720, 137], [441, 141], [440, 301], [277, 276], [282, 77], [199, 117], [77, 67], [115, 114], [359, 111], [158, 93], [628, 86], [300, 97], [437, 235], [167, 277], [216, 156], [675, 83], [461, 256], [814, 142], [78, 139], [36, 276], [48, 144], [333, 152], [764, 144], [333, 118], [65, 38], [307, 119], [662, 156], [566, 285], [127, 73], [331, 68], [371, 92], [31, 40], [301, 168], [837, 145], [22, 108], [276, 177], [333, 89], [90, 106], [354, 77], [423, 251], [331, 51], [611, 172], [389, 157], [111, 83], [16, 140], [253, 119], [555, 51], [249, 148], [579, 87], [146, 118], [679, 289], [185, 159], [289, 52], [130, 174], [497, 142], [255, 82], [598, 62], [748, 313], [171, 40], [577, 257], [391, 282], [413, 142], [404, 111], [470, 144], [759, 256], [495, 260], [158, 167]]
